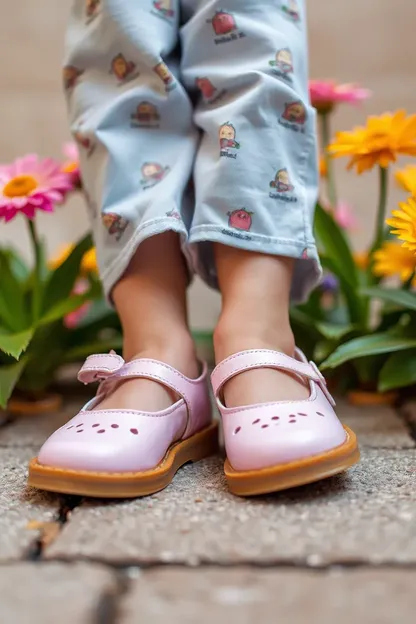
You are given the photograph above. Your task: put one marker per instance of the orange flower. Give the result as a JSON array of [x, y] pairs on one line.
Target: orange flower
[[361, 259], [393, 259], [323, 169], [88, 262], [406, 177], [404, 222], [377, 143]]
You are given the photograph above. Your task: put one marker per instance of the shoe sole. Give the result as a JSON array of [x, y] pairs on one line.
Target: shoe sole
[[125, 484], [296, 473]]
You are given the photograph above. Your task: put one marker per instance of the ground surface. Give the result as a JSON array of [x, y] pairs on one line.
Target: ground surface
[[343, 549]]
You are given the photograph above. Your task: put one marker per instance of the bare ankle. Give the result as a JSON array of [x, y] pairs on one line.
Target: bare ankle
[[234, 334], [176, 349]]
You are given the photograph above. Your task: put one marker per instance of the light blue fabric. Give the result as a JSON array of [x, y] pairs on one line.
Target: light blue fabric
[[160, 90]]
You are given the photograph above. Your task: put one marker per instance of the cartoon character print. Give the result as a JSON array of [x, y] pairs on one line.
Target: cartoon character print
[[146, 113], [283, 61], [291, 8], [152, 173], [206, 87], [223, 23], [162, 70], [71, 75], [240, 219], [121, 68], [164, 7], [227, 136], [91, 7], [115, 224], [282, 182], [174, 214], [295, 112], [85, 142]]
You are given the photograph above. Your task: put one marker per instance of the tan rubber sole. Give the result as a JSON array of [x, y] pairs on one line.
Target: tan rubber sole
[[293, 474], [125, 484]]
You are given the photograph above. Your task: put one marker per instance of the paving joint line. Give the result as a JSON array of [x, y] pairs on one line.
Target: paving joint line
[[67, 504], [127, 567], [107, 610]]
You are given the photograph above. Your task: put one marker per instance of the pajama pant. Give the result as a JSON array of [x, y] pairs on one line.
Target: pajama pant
[[193, 116]]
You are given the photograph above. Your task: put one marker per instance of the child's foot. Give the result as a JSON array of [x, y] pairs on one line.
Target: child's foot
[[261, 385], [145, 394], [112, 450], [276, 445]]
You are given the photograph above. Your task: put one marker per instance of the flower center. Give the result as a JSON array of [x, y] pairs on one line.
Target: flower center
[[20, 186], [70, 167]]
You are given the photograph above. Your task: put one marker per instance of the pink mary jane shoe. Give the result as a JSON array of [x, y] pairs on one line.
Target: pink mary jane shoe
[[127, 453], [275, 446]]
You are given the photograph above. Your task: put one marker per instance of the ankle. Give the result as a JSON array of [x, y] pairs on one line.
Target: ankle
[[176, 349], [232, 335]]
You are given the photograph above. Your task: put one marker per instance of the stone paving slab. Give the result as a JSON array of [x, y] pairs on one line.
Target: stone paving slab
[[368, 515], [20, 505], [51, 593], [243, 595], [377, 426]]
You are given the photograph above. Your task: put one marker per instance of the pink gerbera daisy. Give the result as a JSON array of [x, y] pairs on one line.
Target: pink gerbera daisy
[[72, 319], [31, 184], [325, 94]]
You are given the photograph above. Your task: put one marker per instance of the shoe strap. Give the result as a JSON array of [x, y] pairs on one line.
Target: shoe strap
[[109, 371], [99, 367], [265, 358]]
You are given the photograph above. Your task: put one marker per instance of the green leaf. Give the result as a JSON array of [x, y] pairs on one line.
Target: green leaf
[[368, 345], [17, 265], [12, 305], [333, 240], [356, 305], [98, 312], [332, 331], [15, 344], [303, 318], [322, 350], [397, 296], [9, 376], [64, 307], [399, 371], [61, 281], [79, 353]]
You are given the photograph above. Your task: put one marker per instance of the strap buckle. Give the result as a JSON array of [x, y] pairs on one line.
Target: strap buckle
[[322, 383]]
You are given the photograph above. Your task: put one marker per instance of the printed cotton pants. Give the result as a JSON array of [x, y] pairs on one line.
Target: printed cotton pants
[[193, 116]]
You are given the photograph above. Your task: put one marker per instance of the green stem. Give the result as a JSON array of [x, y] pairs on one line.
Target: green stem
[[325, 139], [36, 298], [381, 211]]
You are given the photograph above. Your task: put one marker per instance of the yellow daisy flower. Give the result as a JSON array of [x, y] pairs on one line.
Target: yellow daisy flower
[[404, 223], [406, 177], [377, 143], [60, 257], [393, 259], [89, 262]]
